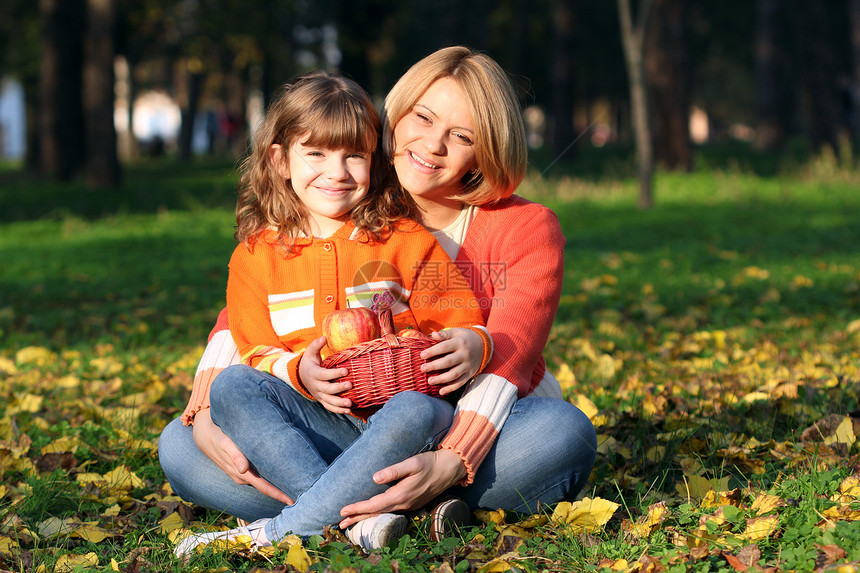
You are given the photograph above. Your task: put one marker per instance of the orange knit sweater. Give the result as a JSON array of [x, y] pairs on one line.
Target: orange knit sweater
[[277, 301]]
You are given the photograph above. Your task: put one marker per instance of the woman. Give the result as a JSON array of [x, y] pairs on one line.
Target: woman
[[453, 130]]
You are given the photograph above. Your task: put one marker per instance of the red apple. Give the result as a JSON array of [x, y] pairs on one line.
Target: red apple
[[350, 326], [412, 333]]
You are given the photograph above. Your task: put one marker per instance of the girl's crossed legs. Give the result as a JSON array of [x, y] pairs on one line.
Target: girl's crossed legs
[[544, 452], [322, 460]]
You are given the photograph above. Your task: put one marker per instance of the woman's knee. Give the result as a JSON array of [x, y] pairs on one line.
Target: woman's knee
[[228, 386], [172, 449], [566, 432]]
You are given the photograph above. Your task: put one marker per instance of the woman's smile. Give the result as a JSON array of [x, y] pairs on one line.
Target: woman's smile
[[434, 147]]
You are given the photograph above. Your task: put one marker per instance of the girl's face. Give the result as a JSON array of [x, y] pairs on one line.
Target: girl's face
[[329, 182], [434, 144]]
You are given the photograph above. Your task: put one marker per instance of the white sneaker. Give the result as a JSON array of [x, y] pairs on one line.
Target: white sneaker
[[378, 531], [254, 530]]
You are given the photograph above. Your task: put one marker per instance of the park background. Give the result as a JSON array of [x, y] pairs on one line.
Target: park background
[[702, 159]]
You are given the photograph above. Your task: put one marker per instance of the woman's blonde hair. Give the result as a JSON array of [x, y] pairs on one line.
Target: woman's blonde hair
[[332, 112], [500, 145]]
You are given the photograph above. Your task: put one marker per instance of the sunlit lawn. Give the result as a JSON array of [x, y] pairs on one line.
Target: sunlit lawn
[[704, 338]]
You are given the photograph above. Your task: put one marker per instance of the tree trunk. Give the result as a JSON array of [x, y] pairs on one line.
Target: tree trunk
[[563, 136], [188, 113], [818, 74], [102, 165], [667, 76], [632, 36], [769, 132], [854, 9], [61, 129]]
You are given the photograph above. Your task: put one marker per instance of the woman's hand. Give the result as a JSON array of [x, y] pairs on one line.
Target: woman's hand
[[318, 380], [457, 357], [416, 481], [220, 449]]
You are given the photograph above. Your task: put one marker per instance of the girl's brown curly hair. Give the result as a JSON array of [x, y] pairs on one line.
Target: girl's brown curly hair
[[332, 112]]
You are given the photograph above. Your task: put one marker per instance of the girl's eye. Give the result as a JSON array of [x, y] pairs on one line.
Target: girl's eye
[[314, 153], [357, 155]]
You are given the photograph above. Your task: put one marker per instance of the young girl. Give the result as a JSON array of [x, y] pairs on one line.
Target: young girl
[[317, 233]]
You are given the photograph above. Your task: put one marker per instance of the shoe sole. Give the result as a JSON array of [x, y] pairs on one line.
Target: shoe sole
[[393, 530], [448, 517]]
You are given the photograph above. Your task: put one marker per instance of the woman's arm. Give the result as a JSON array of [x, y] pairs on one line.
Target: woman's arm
[[517, 254], [220, 353], [518, 263]]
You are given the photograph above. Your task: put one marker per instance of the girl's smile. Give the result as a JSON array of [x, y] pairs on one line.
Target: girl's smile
[[328, 182]]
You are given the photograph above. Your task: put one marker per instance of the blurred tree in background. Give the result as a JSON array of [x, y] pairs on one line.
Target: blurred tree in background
[[763, 71]]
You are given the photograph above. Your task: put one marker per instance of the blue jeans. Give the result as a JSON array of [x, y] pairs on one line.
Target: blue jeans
[[324, 461]]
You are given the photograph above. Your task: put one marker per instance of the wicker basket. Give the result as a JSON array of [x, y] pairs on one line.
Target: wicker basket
[[382, 367]]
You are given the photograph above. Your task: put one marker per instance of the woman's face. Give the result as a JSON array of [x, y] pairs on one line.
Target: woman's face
[[434, 143]]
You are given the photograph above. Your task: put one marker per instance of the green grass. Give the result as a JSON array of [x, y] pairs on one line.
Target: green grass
[[710, 333]]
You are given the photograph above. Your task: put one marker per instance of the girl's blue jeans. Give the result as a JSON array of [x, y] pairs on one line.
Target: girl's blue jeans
[[544, 452]]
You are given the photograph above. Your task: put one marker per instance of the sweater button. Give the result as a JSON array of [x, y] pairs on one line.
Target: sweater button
[[327, 246], [329, 298]]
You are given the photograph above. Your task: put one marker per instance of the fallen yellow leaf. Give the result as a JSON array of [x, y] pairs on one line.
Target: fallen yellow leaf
[[297, 557], [55, 526], [34, 355], [7, 366], [648, 523], [566, 378], [849, 489], [6, 545], [587, 406], [765, 503], [844, 433], [171, 522], [112, 511], [123, 479], [495, 566], [584, 516], [496, 516], [64, 444], [696, 487], [719, 499], [841, 512], [67, 563], [26, 403], [91, 532], [761, 527]]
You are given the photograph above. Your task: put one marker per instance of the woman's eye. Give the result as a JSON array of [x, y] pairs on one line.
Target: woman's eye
[[422, 117], [463, 138]]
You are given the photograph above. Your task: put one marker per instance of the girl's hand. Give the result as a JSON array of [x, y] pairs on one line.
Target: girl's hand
[[418, 479], [220, 449], [457, 358], [319, 381]]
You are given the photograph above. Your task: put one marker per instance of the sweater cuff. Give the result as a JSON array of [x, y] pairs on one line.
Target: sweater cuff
[[220, 353], [286, 367], [488, 346], [479, 418]]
